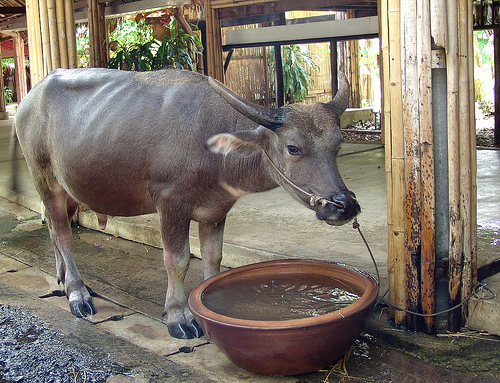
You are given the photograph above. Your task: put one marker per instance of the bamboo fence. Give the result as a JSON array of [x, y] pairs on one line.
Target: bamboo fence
[[406, 29], [51, 36]]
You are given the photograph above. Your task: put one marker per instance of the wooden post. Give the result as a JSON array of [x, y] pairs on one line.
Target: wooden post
[[278, 75], [97, 34], [3, 109], [103, 36], [91, 24], [334, 67], [267, 102], [20, 73]]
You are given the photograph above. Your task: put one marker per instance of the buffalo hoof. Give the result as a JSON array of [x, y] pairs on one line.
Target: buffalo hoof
[[182, 331], [82, 309], [179, 331], [195, 329]]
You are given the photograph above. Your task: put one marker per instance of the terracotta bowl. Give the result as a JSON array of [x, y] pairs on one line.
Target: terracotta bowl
[[292, 346]]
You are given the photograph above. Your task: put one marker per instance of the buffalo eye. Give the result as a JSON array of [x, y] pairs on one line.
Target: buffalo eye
[[293, 150]]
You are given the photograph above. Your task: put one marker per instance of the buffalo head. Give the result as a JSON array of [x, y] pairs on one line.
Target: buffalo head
[[300, 143]]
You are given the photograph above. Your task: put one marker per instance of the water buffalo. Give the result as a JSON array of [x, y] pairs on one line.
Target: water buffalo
[[177, 143]]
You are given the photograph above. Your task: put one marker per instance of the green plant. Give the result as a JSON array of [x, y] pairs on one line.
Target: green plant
[[9, 95], [298, 64], [177, 50], [125, 32]]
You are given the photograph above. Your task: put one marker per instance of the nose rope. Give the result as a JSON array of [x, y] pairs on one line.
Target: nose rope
[[314, 200]]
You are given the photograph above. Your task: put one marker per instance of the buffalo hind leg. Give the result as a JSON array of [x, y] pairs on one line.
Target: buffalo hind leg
[[211, 241], [59, 209], [175, 235]]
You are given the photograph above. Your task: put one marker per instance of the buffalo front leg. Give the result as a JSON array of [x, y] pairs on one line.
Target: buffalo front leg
[[211, 241], [175, 234], [59, 209]]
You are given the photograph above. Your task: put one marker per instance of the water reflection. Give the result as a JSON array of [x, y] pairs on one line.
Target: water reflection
[[280, 298]]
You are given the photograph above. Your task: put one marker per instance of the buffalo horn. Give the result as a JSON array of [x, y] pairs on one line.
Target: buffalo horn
[[341, 100], [269, 117]]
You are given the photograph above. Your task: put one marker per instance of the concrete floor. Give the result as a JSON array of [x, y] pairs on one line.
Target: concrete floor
[[129, 277]]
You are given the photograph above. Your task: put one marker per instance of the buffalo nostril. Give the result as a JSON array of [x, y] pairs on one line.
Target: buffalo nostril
[[345, 201], [339, 203]]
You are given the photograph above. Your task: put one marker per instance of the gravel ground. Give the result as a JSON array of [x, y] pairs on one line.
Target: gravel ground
[[31, 352]]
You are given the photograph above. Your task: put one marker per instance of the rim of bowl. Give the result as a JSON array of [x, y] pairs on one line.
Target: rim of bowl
[[364, 301]]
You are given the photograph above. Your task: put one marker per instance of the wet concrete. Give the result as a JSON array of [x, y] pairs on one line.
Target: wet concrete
[[129, 339]]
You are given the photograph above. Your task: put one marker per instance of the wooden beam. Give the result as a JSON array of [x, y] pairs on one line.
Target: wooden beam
[[12, 10], [244, 8], [302, 33]]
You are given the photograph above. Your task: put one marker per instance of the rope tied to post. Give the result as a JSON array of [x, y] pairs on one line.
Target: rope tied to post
[[475, 290]]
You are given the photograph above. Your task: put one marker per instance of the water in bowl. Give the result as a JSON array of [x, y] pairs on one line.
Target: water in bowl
[[278, 298]]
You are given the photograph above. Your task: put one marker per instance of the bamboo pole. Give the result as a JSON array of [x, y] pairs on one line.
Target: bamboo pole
[[383, 16], [406, 27], [30, 23], [353, 65], [44, 27], [410, 89], [456, 240], [398, 160], [392, 119], [37, 44], [428, 259], [61, 33], [473, 160], [386, 128], [466, 149], [69, 14], [54, 39]]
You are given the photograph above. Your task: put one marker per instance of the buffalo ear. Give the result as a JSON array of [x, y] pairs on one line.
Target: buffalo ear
[[245, 142]]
